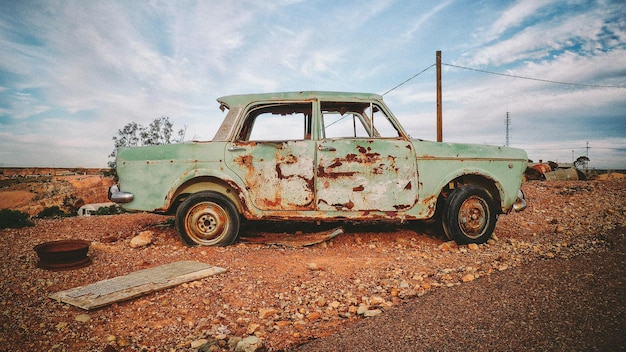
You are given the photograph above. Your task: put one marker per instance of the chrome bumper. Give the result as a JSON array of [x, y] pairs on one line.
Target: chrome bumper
[[117, 196], [520, 203]]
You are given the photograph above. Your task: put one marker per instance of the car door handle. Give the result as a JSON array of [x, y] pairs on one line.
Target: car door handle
[[325, 148], [234, 148]]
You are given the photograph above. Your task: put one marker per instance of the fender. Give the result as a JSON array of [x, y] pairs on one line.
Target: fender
[[471, 171], [205, 179]]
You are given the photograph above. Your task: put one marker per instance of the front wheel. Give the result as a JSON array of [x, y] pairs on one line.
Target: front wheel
[[207, 219], [469, 215]]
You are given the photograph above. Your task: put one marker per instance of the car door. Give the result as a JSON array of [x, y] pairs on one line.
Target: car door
[[274, 156], [360, 168]]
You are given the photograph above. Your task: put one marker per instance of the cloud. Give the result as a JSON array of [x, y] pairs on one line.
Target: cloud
[[512, 18], [426, 17]]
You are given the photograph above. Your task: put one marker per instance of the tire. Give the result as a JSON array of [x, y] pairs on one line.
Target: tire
[[469, 215], [207, 219]]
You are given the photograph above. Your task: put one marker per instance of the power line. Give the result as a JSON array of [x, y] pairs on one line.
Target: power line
[[532, 78], [424, 70]]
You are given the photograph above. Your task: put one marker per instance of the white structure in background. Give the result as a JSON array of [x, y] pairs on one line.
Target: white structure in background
[[90, 209]]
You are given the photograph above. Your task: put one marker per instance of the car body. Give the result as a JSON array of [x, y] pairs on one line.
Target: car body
[[318, 156]]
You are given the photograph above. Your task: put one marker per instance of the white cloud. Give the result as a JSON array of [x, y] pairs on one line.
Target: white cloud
[[513, 17]]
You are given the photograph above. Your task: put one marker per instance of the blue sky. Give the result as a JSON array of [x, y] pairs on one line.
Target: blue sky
[[74, 72]]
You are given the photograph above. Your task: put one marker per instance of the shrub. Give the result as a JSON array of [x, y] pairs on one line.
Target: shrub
[[110, 210], [14, 219], [52, 212]]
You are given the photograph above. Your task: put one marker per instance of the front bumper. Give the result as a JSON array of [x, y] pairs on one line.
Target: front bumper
[[520, 203], [117, 196]]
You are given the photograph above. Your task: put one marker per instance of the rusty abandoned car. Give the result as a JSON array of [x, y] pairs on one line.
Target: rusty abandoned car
[[318, 156]]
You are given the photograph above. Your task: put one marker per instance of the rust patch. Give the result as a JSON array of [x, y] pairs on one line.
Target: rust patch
[[321, 172], [337, 163], [358, 188], [245, 160]]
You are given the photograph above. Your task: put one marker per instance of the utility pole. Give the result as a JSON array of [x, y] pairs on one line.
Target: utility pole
[[508, 124], [439, 104]]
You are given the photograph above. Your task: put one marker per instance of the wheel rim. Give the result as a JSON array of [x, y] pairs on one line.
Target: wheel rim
[[474, 217], [206, 222]]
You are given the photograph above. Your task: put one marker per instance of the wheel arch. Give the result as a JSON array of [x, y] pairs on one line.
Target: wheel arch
[[226, 187], [493, 187]]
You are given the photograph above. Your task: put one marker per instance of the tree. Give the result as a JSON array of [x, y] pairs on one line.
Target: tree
[[581, 162], [159, 132]]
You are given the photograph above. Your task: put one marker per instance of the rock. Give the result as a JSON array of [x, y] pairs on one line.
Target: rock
[[314, 316], [473, 246], [445, 246], [312, 266], [468, 278], [252, 328], [376, 300], [372, 312], [249, 344], [83, 318], [199, 343], [143, 239], [265, 313]]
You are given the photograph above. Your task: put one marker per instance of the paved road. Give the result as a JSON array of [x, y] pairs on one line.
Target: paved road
[[574, 304]]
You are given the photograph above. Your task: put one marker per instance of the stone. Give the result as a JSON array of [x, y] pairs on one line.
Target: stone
[[265, 313], [376, 300], [312, 266], [372, 312], [249, 344], [143, 239], [252, 328], [473, 246], [198, 343], [314, 316], [83, 318], [468, 278]]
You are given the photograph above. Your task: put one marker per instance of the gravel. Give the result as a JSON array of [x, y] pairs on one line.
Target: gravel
[[574, 304], [550, 279]]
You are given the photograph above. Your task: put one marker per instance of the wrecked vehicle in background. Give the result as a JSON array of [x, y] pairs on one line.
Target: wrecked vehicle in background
[[318, 156]]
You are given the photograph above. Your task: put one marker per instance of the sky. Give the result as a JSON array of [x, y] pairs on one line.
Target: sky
[[73, 73]]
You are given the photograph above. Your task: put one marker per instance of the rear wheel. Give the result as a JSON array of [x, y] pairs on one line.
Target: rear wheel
[[469, 215], [207, 219]]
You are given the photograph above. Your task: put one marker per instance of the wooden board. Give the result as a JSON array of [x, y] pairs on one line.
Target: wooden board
[[293, 240], [135, 284]]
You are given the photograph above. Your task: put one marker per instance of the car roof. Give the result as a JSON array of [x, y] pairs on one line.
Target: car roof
[[232, 101]]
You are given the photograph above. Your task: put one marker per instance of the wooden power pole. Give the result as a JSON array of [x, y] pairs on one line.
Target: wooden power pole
[[439, 105]]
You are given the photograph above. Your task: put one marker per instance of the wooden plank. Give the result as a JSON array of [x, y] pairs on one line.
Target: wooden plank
[[294, 240], [138, 283]]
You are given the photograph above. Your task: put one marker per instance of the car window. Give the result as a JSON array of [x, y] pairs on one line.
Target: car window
[[277, 122], [353, 120]]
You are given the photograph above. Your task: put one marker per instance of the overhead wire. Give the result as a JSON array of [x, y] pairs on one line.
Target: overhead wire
[[534, 79], [505, 75], [415, 75]]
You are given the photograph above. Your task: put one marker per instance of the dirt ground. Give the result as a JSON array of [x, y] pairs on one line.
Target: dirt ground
[[284, 295], [32, 195]]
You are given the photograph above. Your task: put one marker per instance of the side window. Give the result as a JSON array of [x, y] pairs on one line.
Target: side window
[[383, 127], [277, 122], [346, 125], [354, 120]]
